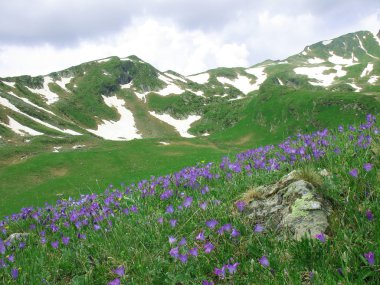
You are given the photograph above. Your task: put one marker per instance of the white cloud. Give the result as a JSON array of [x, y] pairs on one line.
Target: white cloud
[[160, 43]]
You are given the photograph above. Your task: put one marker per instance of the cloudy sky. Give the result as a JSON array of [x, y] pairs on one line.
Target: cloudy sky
[[188, 36]]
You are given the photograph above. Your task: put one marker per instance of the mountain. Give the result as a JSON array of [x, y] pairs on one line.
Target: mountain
[[127, 98]]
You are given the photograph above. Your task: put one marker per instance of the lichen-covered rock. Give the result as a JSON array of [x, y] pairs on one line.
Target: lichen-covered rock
[[291, 206]]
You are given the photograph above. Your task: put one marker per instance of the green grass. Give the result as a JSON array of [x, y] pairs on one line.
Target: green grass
[[139, 243]]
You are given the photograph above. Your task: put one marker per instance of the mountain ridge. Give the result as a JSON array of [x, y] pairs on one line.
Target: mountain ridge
[[151, 103]]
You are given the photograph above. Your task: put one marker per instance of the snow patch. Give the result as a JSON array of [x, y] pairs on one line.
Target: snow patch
[[205, 134], [103, 60], [260, 74], [318, 74], [78, 146], [242, 83], [340, 60], [315, 60], [182, 126], [126, 86], [122, 130], [10, 84], [45, 92], [5, 102], [280, 81], [304, 53], [199, 78], [62, 83], [56, 148], [376, 38], [373, 79], [353, 85], [367, 70], [327, 42], [31, 103], [175, 77], [19, 128], [363, 48], [198, 93], [164, 143]]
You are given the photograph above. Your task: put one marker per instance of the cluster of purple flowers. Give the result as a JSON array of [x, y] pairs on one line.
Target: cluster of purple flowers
[[97, 212]]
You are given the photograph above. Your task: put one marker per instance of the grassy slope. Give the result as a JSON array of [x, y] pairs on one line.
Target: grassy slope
[[139, 243]]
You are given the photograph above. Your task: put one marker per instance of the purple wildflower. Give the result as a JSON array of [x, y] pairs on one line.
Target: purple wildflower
[[321, 237], [174, 252], [81, 236], [182, 242], [173, 223], [369, 215], [232, 267], [14, 273], [205, 282], [193, 251], [160, 220], [170, 209], [188, 201], [354, 172], [172, 239], [54, 244], [235, 233], [183, 257], [119, 271], [200, 236], [211, 223], [220, 272], [43, 240], [96, 227], [370, 256], [367, 166], [259, 228], [240, 205], [203, 205], [65, 240], [11, 258], [208, 247], [264, 261], [114, 282]]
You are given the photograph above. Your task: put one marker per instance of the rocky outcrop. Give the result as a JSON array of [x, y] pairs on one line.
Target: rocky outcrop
[[291, 206]]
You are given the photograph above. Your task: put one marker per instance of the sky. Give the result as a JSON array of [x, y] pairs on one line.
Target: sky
[[188, 36]]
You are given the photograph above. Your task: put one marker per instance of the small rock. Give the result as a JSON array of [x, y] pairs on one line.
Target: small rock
[[289, 206], [16, 236]]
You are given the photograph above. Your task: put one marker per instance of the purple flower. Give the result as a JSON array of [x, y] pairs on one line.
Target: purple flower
[[203, 205], [114, 282], [208, 247], [264, 261], [220, 272], [200, 236], [172, 239], [96, 227], [354, 172], [134, 209], [321, 237], [259, 228], [188, 201], [81, 236], [369, 215], [235, 233], [43, 240], [11, 258], [65, 240], [14, 273], [211, 223], [170, 209], [232, 267], [240, 205], [205, 282], [193, 251], [367, 166], [160, 220], [370, 257], [173, 223], [2, 247], [183, 257], [119, 271], [182, 241], [174, 252], [55, 244]]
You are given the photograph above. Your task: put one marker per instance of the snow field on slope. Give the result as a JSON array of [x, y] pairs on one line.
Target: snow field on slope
[[123, 129], [182, 126]]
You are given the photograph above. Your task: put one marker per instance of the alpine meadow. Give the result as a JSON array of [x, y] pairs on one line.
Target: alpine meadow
[[114, 172]]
